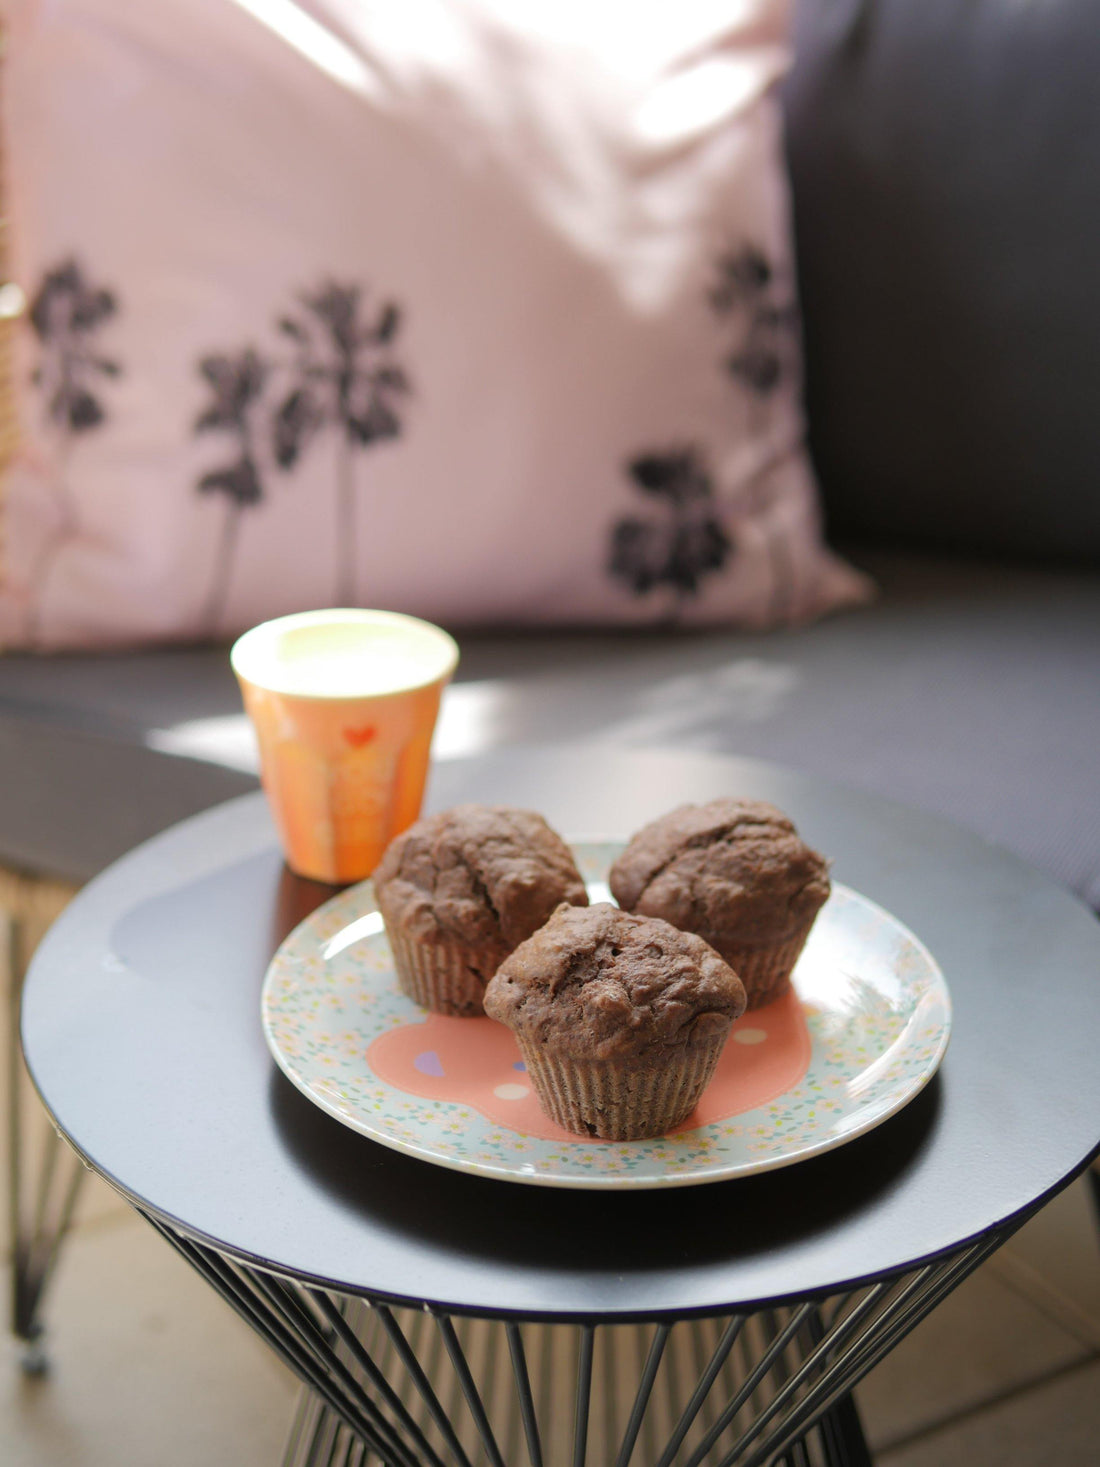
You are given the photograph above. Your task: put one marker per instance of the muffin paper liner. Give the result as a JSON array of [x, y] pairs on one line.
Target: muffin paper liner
[[437, 975], [613, 1101], [766, 971]]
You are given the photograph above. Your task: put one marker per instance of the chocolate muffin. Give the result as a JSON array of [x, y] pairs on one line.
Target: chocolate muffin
[[620, 1019], [459, 890], [735, 872]]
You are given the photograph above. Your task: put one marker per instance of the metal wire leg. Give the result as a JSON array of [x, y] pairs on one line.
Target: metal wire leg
[[842, 1438], [843, 1443], [37, 1229]]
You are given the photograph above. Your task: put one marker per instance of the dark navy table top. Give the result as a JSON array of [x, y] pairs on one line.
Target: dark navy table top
[[142, 1032]]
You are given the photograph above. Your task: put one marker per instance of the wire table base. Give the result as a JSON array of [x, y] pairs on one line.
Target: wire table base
[[422, 1388], [319, 1438]]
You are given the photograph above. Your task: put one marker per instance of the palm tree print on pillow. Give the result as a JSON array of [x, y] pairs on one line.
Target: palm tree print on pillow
[[66, 314], [748, 289], [341, 377], [760, 302], [237, 383], [679, 544], [345, 378]]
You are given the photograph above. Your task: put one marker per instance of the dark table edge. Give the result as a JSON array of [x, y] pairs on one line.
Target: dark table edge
[[1006, 1225]]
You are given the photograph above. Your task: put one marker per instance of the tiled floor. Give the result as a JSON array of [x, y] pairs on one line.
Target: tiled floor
[[150, 1369]]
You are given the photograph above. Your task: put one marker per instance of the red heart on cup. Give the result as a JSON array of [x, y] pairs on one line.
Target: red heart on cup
[[357, 737]]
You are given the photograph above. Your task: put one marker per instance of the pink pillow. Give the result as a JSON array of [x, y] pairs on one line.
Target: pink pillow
[[477, 309]]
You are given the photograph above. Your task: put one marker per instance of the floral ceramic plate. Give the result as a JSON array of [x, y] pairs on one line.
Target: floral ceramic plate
[[862, 1032]]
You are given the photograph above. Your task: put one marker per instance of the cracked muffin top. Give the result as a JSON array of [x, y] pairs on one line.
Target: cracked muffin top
[[488, 875], [734, 871], [603, 984]]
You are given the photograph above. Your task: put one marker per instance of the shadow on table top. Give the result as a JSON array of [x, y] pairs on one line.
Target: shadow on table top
[[484, 1217]]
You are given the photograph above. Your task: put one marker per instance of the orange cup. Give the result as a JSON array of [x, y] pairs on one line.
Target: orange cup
[[344, 704]]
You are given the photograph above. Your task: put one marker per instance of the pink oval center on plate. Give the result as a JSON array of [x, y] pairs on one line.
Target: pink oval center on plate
[[474, 1062]]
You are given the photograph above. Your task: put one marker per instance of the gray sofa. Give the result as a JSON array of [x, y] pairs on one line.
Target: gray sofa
[[946, 167]]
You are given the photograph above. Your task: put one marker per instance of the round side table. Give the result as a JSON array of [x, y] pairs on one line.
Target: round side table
[[438, 1317]]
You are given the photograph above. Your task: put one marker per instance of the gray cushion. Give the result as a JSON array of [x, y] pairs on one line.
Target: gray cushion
[[946, 169], [968, 690], [71, 800]]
